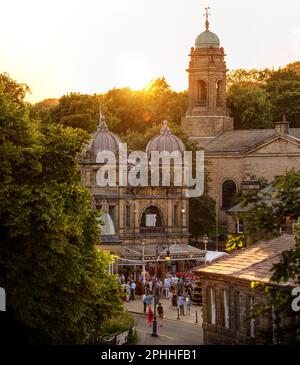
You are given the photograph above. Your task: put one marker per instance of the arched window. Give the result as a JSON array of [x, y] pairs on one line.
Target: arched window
[[219, 90], [152, 220], [228, 192], [201, 91]]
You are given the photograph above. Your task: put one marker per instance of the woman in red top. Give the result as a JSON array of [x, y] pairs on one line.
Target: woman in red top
[[150, 316]]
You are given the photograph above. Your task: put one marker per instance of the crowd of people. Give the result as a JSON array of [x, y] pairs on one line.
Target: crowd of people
[[177, 290]]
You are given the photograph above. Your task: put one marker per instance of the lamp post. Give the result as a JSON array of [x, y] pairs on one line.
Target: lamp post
[[143, 259], [205, 241], [168, 258]]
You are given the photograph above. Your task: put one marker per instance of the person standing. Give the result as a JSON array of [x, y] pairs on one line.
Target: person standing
[[188, 305], [167, 287], [160, 312], [150, 316], [174, 300], [132, 289], [128, 291], [181, 304], [145, 300]]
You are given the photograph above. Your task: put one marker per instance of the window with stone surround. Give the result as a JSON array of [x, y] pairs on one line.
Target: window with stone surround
[[127, 216], [237, 310], [201, 93], [226, 308], [212, 305], [228, 193]]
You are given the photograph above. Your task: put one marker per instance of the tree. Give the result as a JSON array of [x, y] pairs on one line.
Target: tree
[[249, 107], [283, 89], [269, 211], [55, 279], [252, 78]]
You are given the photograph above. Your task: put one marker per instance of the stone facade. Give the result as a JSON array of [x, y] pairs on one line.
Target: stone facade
[[232, 155], [228, 296], [238, 329]]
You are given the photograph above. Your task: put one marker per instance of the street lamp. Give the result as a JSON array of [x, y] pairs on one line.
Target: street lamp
[[143, 259], [205, 241], [167, 258]]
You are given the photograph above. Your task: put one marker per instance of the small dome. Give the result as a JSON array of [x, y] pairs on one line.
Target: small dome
[[103, 140], [165, 141], [207, 39]]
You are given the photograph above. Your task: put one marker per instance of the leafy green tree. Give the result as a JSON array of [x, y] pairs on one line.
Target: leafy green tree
[[78, 111], [283, 89], [271, 207], [55, 279], [249, 107], [252, 78]]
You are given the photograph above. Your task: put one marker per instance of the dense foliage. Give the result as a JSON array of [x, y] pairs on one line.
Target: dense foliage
[[258, 98], [55, 278]]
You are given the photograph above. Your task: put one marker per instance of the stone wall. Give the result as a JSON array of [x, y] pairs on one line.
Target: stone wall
[[239, 322]]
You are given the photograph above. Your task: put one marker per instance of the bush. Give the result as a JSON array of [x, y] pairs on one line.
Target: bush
[[121, 322]]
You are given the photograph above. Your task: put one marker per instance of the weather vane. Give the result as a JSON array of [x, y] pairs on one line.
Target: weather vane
[[206, 14]]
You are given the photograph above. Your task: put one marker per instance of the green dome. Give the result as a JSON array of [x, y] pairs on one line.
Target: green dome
[[207, 39]]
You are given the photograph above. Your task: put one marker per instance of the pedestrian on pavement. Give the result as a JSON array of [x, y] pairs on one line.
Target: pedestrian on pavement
[[160, 312], [132, 289], [170, 298], [167, 287], [128, 291], [145, 300], [174, 301], [181, 304], [150, 316], [150, 285], [188, 305]]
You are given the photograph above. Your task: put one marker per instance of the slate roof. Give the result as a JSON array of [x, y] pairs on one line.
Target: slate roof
[[238, 140], [253, 263], [265, 194]]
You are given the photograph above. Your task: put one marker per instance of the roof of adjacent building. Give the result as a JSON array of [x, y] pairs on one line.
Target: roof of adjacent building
[[239, 140], [266, 194], [253, 263]]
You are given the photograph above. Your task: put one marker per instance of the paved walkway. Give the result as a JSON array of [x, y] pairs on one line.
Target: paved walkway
[[171, 333], [136, 306]]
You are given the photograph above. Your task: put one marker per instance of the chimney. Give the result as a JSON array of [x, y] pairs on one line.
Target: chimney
[[282, 127]]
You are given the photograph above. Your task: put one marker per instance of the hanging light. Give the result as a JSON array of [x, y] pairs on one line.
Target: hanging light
[[168, 257]]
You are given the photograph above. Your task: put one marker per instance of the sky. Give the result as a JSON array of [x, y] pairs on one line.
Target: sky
[[91, 46]]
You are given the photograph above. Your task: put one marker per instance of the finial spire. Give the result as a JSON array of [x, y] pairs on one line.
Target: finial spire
[[102, 123], [165, 129], [207, 15]]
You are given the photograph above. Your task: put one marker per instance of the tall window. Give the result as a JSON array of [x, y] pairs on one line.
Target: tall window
[[252, 320], [239, 226], [212, 297], [226, 308], [127, 216], [201, 91], [219, 90], [237, 310], [175, 216], [228, 192]]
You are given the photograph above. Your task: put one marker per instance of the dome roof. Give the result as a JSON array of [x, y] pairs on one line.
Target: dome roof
[[207, 39], [103, 139], [165, 141]]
